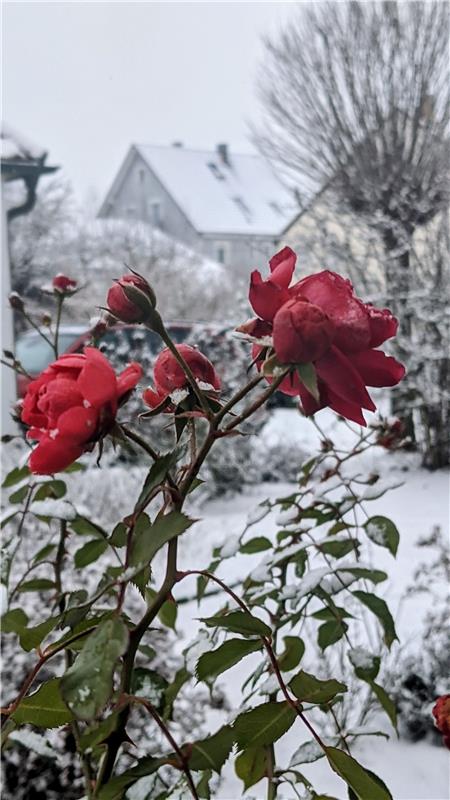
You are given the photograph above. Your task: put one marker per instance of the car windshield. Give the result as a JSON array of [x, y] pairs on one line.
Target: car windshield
[[35, 354]]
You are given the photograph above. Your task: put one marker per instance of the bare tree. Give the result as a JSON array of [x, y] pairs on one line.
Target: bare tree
[[355, 100]]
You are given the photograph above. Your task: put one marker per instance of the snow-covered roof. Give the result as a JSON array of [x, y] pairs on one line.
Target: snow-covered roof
[[238, 194], [16, 147]]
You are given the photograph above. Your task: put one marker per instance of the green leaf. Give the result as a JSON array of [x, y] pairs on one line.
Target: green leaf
[[181, 677], [119, 535], [168, 611], [365, 664], [256, 545], [149, 684], [373, 575], [116, 787], [54, 489], [307, 688], [147, 651], [15, 476], [385, 702], [202, 787], [88, 683], [19, 495], [14, 620], [212, 664], [251, 766], [382, 531], [90, 552], [378, 607], [308, 376], [307, 753], [45, 708], [149, 538], [97, 734], [42, 554], [238, 622], [212, 752], [157, 475], [37, 585], [264, 724], [330, 632], [294, 648], [338, 549], [85, 527], [334, 612], [365, 785], [30, 638]]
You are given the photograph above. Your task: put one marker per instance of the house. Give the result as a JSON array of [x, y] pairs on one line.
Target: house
[[229, 207]]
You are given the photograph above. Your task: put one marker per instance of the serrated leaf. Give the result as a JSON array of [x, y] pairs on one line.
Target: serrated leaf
[[45, 708], [36, 585], [307, 753], [330, 632], [378, 607], [148, 538], [168, 611], [294, 648], [307, 688], [251, 765], [87, 685], [373, 575], [365, 785], [385, 702], [119, 535], [15, 476], [181, 677], [157, 475], [308, 376], [382, 531], [89, 553], [256, 545], [30, 638], [116, 787], [264, 724], [212, 752], [238, 622], [84, 527], [338, 549], [212, 664], [54, 489]]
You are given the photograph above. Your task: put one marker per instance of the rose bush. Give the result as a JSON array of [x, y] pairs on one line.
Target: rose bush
[[72, 405], [319, 320]]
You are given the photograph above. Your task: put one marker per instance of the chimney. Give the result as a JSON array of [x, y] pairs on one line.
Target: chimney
[[222, 152], [177, 144]]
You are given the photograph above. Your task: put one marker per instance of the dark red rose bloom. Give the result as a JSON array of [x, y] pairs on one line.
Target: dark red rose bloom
[[119, 304], [71, 405], [320, 320], [61, 283], [441, 714], [170, 378]]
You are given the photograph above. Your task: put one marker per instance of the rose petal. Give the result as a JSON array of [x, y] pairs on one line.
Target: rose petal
[[282, 267], [351, 411], [97, 380], [266, 297], [377, 369], [53, 455], [383, 325], [338, 374], [128, 379], [78, 424]]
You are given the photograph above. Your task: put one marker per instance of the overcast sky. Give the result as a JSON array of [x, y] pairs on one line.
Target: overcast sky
[[84, 80]]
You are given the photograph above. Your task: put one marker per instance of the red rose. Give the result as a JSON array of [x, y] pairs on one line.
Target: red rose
[[320, 320], [441, 713], [170, 377], [125, 309], [61, 283], [72, 404]]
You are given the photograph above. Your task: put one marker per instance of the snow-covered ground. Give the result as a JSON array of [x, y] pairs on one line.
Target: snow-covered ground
[[412, 771]]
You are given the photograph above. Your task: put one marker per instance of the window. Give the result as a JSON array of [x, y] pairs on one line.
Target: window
[[221, 252], [221, 255], [155, 210]]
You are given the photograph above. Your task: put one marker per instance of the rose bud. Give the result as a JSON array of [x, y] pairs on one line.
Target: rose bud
[[171, 382], [131, 299], [16, 302], [46, 320], [302, 332], [73, 404], [62, 284]]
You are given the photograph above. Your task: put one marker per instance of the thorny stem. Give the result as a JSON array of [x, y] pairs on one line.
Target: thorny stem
[[60, 301], [38, 330], [258, 402], [163, 727]]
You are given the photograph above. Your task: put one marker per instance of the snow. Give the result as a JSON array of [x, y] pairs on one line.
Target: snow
[[61, 509], [361, 658], [243, 198]]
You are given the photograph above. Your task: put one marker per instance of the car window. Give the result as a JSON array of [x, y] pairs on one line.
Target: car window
[[122, 345], [35, 354]]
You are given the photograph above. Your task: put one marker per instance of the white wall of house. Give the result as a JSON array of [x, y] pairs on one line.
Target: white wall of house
[[8, 393]]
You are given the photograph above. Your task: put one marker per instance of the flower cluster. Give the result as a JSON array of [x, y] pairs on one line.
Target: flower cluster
[[319, 320]]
